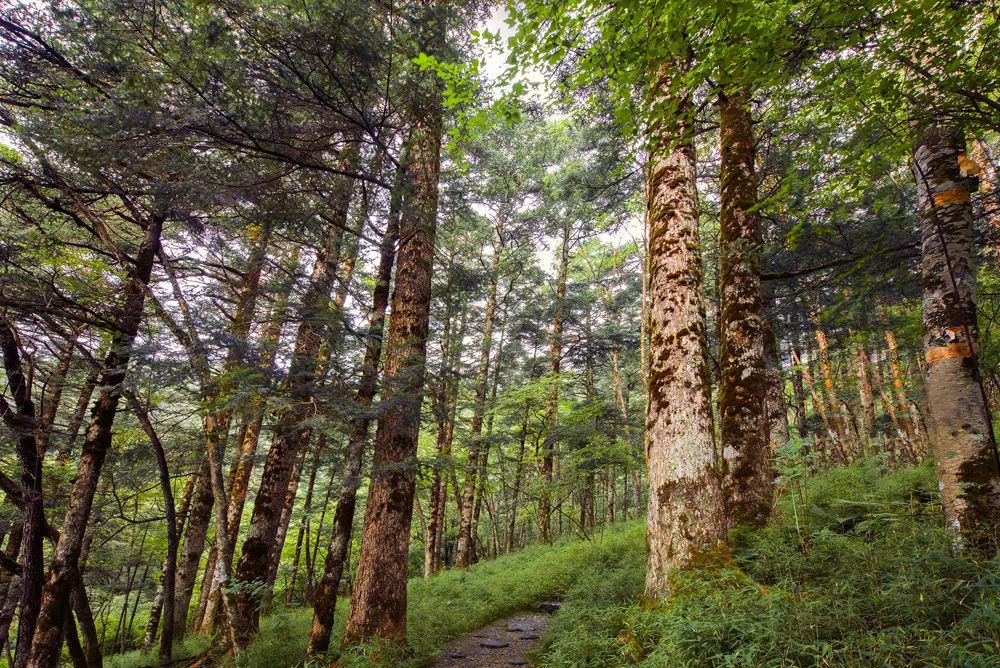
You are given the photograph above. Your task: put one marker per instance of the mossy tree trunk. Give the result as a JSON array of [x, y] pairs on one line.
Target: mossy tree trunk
[[743, 381], [961, 434], [685, 514]]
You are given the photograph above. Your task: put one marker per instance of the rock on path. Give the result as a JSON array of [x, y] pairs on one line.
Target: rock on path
[[503, 643]]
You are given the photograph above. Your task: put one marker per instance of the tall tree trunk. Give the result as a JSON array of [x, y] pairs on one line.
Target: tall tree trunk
[[378, 601], [242, 467], [965, 449], [192, 547], [743, 380], [445, 411], [170, 561], [552, 413], [898, 395], [24, 425], [157, 609], [835, 418], [304, 525], [466, 541], [686, 513], [325, 597], [284, 520], [65, 557], [291, 431], [777, 403]]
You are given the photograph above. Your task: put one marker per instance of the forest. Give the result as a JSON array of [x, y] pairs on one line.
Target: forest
[[486, 333]]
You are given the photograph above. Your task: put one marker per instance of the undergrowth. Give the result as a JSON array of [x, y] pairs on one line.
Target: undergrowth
[[854, 570], [440, 608]]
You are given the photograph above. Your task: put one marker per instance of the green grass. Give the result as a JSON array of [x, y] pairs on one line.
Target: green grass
[[441, 608], [854, 570], [864, 577]]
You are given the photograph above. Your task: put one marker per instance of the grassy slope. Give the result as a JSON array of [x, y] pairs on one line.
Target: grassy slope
[[862, 577]]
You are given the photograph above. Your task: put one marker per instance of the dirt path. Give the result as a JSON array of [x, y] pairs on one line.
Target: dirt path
[[504, 643]]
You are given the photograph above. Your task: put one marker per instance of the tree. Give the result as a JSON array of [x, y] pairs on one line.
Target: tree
[[378, 601]]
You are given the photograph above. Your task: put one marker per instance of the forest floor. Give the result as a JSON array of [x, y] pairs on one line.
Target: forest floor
[[790, 594], [508, 642]]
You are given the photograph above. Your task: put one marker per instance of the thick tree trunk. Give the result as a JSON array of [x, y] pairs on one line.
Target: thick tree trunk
[[65, 558], [378, 601], [686, 515], [743, 380], [961, 434], [325, 597]]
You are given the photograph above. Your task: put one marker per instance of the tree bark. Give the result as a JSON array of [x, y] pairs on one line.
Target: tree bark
[[445, 401], [65, 558], [290, 431], [170, 561], [24, 425], [961, 434], [192, 548], [325, 597], [685, 514], [466, 542], [378, 601], [552, 413], [242, 467], [744, 424]]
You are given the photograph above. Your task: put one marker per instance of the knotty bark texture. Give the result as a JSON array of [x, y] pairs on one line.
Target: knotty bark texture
[[685, 516], [743, 380], [378, 601], [961, 434]]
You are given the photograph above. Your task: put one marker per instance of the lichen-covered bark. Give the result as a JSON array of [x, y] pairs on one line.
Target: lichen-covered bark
[[685, 513], [961, 434], [742, 382]]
